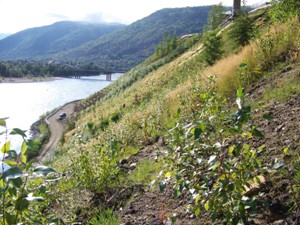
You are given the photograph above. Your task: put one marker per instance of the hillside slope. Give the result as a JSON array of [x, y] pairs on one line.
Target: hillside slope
[[40, 42], [180, 146]]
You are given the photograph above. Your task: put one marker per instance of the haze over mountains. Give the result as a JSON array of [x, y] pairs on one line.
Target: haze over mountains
[[115, 47]]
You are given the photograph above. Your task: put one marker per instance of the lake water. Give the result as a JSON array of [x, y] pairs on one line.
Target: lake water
[[24, 103]]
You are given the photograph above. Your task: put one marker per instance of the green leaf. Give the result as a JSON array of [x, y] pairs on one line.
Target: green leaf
[[17, 131], [243, 65], [42, 189], [168, 175], [43, 170], [202, 127], [176, 193], [3, 122], [24, 148], [257, 133], [267, 117], [17, 182], [10, 218], [162, 186], [10, 162], [12, 173], [239, 93], [23, 159], [197, 198], [197, 133], [6, 147], [285, 151], [12, 154], [206, 205], [197, 211], [21, 204]]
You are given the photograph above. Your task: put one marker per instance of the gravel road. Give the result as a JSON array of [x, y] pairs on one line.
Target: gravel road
[[57, 127]]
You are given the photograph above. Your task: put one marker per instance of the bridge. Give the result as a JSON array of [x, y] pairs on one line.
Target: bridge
[[108, 76], [79, 73]]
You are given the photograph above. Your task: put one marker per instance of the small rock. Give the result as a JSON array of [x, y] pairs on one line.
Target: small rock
[[123, 167], [279, 222], [123, 161], [132, 166], [279, 128], [192, 216]]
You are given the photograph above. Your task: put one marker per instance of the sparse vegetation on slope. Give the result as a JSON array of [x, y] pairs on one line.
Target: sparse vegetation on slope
[[210, 154], [176, 146]]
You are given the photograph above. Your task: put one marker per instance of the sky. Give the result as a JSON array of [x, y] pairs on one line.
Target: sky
[[17, 15]]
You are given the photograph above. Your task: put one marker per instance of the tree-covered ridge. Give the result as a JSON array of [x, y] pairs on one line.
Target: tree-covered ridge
[[61, 36], [118, 51]]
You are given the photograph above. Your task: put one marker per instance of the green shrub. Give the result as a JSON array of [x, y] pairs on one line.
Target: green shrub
[[104, 124], [242, 30], [116, 117], [212, 47], [210, 156]]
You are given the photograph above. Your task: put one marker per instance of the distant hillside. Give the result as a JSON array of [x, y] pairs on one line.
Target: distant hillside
[[38, 42], [125, 48], [110, 46]]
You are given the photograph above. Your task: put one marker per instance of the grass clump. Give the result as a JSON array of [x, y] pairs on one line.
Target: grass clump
[[106, 217], [145, 172]]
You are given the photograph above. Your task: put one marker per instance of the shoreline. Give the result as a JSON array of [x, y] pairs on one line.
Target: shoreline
[[13, 80]]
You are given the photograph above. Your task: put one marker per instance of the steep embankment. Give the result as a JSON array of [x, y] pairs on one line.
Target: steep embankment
[[167, 147]]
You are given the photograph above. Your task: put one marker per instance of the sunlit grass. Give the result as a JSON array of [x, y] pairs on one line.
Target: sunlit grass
[[145, 172], [283, 90]]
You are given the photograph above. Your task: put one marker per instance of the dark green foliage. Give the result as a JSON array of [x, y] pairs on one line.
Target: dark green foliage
[[23, 68], [242, 30], [104, 124], [167, 45], [116, 116], [212, 47]]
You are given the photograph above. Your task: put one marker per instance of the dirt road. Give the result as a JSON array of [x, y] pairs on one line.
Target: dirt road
[[57, 127]]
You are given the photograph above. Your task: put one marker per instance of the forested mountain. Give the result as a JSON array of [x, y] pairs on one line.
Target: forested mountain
[[125, 48], [119, 50], [35, 43]]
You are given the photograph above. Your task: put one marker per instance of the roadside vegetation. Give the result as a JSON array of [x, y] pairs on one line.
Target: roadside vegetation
[[198, 125]]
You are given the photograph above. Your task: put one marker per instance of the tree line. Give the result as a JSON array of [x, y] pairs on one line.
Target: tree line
[[23, 68]]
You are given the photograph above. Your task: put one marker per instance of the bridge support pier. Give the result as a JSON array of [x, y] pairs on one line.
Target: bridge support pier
[[108, 77]]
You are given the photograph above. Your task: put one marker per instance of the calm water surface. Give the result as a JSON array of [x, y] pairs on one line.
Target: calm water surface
[[24, 103]]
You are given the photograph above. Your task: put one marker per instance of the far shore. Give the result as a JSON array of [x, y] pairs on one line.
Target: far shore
[[27, 79]]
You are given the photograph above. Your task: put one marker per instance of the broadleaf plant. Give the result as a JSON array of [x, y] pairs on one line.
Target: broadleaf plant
[[211, 156], [21, 195]]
